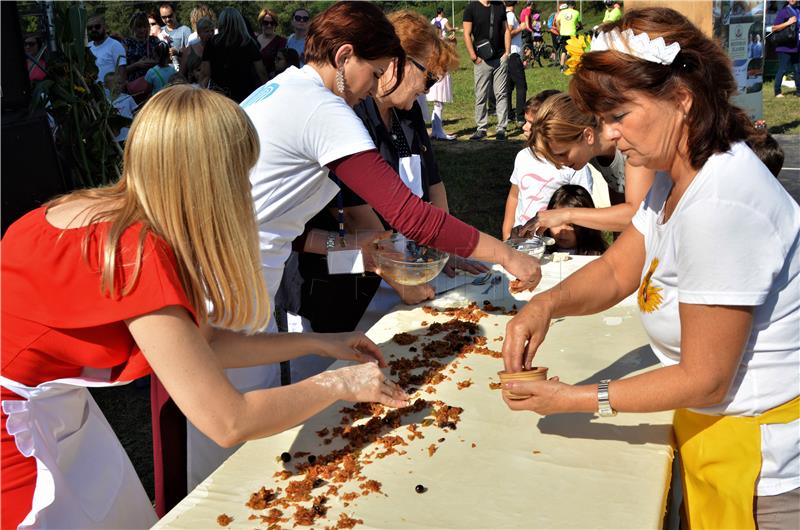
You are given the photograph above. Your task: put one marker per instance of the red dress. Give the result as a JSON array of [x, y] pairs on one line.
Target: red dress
[[56, 321]]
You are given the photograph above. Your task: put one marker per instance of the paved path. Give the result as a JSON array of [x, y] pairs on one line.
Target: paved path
[[790, 175]]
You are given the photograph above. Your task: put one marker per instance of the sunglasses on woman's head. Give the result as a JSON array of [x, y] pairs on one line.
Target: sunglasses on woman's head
[[300, 18], [430, 79]]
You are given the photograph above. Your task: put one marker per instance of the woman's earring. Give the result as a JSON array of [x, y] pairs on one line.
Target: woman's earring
[[340, 80]]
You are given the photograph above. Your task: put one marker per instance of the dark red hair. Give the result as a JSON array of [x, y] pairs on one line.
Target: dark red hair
[[362, 25], [604, 80]]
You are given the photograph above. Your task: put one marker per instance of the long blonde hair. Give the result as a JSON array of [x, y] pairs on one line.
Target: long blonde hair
[[558, 119], [186, 179]]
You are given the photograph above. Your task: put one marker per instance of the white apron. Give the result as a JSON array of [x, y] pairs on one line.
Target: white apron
[[84, 478]]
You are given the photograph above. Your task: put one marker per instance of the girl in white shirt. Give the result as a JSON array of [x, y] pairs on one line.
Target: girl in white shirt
[[535, 179], [568, 137]]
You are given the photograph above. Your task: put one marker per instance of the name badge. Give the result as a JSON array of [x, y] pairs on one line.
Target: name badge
[[345, 261]]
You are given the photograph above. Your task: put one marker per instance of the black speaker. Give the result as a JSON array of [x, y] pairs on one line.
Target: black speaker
[[31, 171], [15, 83]]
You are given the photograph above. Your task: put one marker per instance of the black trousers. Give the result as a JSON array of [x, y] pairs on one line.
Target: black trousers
[[333, 303], [516, 80]]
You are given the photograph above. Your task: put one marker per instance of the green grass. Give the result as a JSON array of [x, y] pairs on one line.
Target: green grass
[[476, 173], [782, 114]]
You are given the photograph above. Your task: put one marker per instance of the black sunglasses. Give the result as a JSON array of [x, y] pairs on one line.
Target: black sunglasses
[[430, 79], [269, 23], [94, 26], [301, 18], [30, 43], [165, 17]]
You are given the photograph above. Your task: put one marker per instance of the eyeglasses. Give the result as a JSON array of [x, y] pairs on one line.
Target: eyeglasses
[[430, 79], [94, 26], [269, 23], [154, 24], [30, 43], [165, 17], [300, 18]]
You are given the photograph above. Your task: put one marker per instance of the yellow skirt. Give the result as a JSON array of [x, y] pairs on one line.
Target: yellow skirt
[[721, 461]]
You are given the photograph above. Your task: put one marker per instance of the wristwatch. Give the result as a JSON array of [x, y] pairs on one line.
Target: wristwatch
[[604, 409], [330, 244]]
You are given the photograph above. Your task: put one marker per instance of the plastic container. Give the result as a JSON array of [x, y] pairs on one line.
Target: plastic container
[[533, 246]]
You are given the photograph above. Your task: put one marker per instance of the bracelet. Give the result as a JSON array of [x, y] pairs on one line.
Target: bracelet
[[603, 405]]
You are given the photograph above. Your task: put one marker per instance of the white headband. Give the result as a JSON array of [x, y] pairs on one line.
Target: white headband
[[655, 51]]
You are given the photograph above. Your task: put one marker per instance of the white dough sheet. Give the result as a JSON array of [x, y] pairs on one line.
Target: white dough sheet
[[496, 469]]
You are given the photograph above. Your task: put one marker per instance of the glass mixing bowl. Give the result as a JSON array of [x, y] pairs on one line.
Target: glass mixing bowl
[[405, 262]]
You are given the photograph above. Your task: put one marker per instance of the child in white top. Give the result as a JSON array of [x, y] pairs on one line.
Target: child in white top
[[534, 179], [124, 103]]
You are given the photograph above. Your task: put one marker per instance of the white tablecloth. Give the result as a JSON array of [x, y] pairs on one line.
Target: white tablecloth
[[498, 469]]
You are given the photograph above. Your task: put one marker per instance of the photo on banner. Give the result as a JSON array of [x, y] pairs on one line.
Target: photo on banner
[[739, 28]]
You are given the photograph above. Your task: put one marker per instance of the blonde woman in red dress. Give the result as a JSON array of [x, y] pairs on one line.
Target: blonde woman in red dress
[[104, 286]]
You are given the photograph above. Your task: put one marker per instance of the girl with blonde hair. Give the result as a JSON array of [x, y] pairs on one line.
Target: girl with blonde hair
[[103, 286], [566, 136]]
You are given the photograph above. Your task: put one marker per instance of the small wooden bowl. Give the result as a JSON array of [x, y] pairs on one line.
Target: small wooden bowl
[[536, 373]]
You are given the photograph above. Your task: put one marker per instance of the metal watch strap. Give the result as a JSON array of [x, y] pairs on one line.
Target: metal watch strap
[[603, 405]]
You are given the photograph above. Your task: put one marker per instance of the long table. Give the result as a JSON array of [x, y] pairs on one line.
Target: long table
[[495, 468]]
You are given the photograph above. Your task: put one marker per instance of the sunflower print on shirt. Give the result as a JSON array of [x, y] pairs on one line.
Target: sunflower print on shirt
[[649, 295]]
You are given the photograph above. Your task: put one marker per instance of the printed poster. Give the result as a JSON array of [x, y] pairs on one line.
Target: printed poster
[[739, 28]]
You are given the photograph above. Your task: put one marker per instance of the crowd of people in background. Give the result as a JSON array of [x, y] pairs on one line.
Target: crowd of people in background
[[220, 51]]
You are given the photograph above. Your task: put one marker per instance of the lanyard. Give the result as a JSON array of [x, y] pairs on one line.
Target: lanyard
[[340, 209]]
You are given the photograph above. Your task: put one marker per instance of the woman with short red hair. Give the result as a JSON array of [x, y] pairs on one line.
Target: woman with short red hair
[[307, 128]]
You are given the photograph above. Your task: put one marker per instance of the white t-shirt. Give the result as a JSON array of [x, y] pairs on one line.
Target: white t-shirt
[[442, 25], [109, 54], [516, 40], [537, 180], [613, 174], [302, 126], [126, 106], [733, 240]]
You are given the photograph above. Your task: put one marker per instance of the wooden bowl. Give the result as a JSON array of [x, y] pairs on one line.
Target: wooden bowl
[[536, 373]]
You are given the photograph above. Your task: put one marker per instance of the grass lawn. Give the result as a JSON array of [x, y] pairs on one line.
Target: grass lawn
[[476, 173]]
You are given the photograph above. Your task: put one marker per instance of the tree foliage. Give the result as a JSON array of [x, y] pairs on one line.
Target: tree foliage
[[86, 122], [118, 14]]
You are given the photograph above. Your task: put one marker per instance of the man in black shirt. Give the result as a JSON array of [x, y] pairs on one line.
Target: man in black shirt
[[488, 41]]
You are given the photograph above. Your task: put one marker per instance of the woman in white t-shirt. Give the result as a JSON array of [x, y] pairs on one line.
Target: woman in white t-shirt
[[534, 179], [714, 256], [306, 128], [568, 137], [312, 107]]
